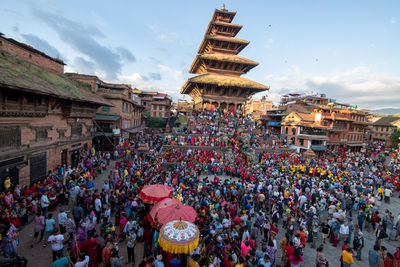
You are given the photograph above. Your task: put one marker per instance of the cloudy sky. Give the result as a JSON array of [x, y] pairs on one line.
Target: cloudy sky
[[348, 50]]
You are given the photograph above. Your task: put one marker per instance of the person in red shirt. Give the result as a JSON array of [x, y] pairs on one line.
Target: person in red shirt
[[106, 253], [389, 260], [303, 237], [148, 241], [90, 247], [289, 249], [122, 223]]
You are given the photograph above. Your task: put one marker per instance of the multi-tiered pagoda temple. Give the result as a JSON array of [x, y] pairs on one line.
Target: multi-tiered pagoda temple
[[218, 83]]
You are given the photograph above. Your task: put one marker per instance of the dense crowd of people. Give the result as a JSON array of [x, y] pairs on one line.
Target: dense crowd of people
[[262, 213]]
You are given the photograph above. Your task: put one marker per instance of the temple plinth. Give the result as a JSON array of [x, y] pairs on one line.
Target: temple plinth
[[219, 83]]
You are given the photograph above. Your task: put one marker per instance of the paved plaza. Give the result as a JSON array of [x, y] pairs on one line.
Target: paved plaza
[[39, 256]]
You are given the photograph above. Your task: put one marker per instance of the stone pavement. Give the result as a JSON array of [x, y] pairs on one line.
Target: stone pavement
[[39, 256], [333, 253]]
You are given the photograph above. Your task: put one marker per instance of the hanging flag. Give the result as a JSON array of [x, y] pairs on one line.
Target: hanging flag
[[182, 186], [24, 99]]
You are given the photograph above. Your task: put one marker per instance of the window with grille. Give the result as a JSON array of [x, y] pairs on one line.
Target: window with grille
[[10, 137], [76, 130], [41, 133]]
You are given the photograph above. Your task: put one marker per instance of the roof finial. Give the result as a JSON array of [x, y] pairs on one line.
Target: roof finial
[[223, 6]]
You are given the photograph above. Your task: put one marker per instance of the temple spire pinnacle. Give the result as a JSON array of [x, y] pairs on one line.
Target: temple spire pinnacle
[[223, 6]]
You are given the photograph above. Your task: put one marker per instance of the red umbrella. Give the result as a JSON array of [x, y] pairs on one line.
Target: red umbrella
[[160, 205], [154, 193], [176, 212]]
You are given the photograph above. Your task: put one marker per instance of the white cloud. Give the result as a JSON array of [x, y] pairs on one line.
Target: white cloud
[[393, 21], [295, 68], [167, 36], [359, 86], [173, 73], [136, 80], [163, 34]]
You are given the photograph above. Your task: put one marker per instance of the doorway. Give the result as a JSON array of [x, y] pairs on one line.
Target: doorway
[[64, 157]]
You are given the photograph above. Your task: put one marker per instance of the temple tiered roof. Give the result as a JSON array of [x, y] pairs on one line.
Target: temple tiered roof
[[202, 60], [218, 65], [223, 80]]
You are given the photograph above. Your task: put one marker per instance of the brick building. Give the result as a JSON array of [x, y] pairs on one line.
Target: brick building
[[28, 53], [183, 107], [156, 104], [308, 118], [300, 131], [46, 118], [123, 118], [258, 108], [383, 128]]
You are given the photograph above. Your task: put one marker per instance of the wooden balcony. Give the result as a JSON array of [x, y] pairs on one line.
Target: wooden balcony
[[23, 110]]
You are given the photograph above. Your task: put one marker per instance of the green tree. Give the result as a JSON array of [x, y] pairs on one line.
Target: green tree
[[156, 122], [395, 137]]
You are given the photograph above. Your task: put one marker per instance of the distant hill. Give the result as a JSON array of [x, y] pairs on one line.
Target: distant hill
[[386, 111]]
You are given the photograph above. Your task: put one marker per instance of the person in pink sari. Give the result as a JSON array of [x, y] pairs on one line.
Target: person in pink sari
[[122, 223], [9, 199], [233, 210]]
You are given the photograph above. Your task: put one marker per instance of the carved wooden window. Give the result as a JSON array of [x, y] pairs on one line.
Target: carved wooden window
[[76, 130], [61, 133], [41, 133], [12, 96], [28, 99], [10, 137]]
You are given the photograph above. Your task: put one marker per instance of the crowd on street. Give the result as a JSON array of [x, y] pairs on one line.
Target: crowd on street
[[262, 211]]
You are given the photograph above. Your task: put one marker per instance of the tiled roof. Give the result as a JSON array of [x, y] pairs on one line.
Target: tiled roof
[[16, 73], [386, 121], [305, 116], [229, 58], [228, 39], [222, 80]]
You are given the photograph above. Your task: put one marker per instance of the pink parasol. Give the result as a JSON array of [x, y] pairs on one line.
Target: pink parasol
[[160, 205], [176, 212], [154, 193]]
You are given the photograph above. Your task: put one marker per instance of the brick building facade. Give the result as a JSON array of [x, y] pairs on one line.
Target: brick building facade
[[157, 104], [31, 54], [383, 128], [125, 114], [319, 124], [258, 108], [46, 118]]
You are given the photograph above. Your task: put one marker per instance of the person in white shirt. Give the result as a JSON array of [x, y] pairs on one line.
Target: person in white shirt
[[97, 207], [57, 243], [44, 203], [107, 213], [344, 231], [296, 241], [388, 194], [106, 186], [130, 225], [62, 217], [83, 261]]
